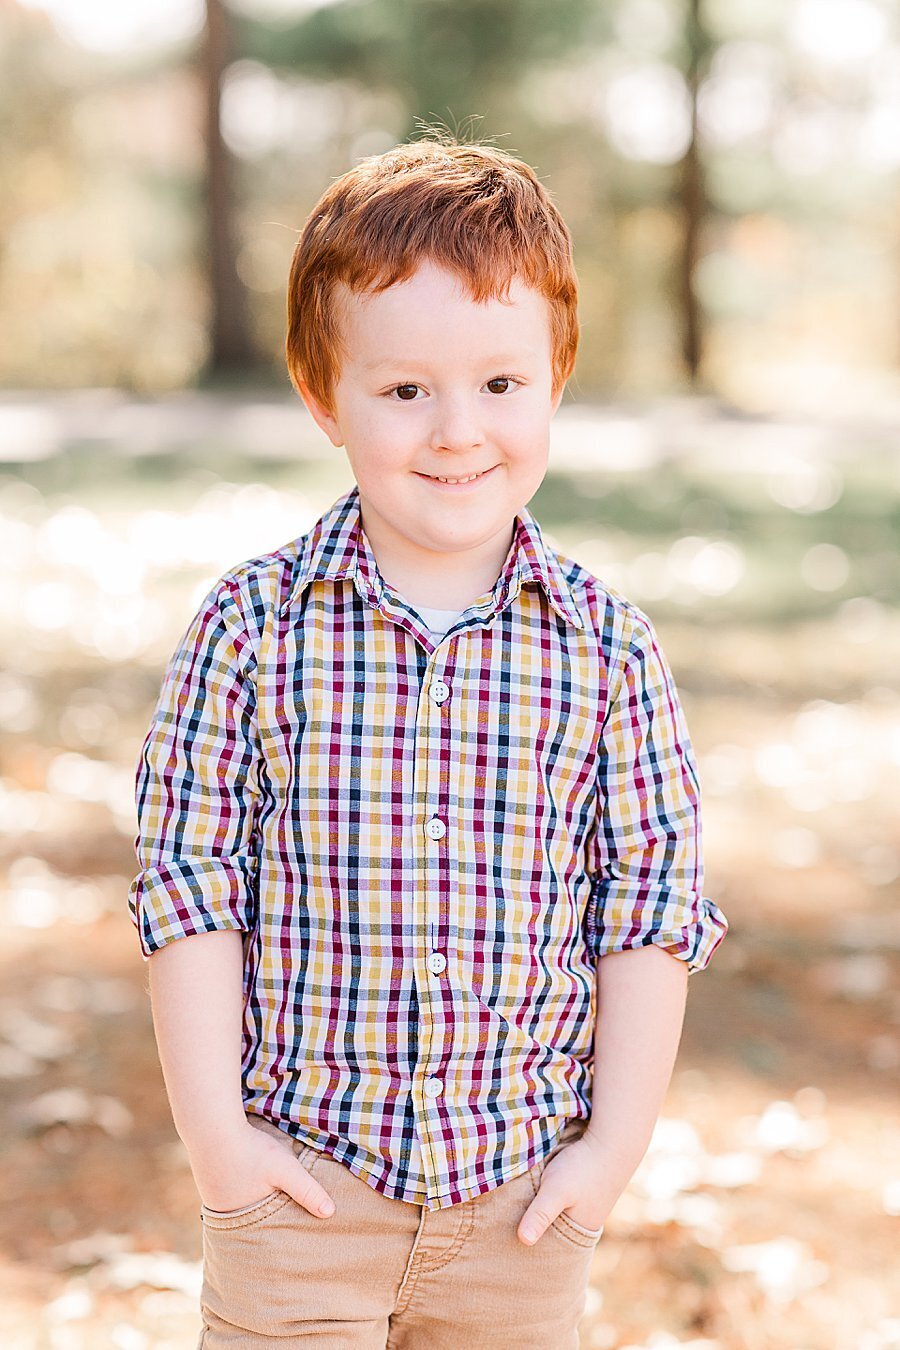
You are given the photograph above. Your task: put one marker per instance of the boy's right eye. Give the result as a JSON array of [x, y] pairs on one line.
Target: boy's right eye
[[406, 392]]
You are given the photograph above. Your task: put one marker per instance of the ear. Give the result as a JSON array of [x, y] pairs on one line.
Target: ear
[[321, 415]]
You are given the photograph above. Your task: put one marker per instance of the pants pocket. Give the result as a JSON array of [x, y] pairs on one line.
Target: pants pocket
[[573, 1231], [249, 1214], [276, 1271]]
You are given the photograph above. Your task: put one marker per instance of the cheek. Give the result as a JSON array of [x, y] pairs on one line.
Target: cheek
[[382, 443], [373, 428], [527, 433]]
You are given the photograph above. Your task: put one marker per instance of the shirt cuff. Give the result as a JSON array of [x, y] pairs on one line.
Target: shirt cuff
[[190, 895], [622, 915]]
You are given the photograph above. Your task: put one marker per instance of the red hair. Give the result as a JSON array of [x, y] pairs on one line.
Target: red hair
[[469, 207]]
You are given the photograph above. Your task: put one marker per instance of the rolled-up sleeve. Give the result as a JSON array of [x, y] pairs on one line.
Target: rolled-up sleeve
[[197, 786], [648, 881]]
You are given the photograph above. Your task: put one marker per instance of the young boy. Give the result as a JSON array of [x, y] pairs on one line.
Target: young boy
[[419, 818]]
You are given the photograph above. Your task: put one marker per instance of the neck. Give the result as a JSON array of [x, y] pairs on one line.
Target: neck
[[440, 580]]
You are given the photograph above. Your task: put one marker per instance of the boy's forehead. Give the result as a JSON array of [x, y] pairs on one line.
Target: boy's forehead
[[435, 300]]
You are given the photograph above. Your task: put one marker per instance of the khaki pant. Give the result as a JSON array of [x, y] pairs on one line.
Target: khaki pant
[[383, 1274]]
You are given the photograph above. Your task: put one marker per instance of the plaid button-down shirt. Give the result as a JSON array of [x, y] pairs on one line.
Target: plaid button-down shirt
[[428, 843]]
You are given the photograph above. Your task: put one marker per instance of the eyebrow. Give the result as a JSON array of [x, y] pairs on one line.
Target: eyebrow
[[402, 362]]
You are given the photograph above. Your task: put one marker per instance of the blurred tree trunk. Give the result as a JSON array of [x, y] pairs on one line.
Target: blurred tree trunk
[[694, 204], [231, 345]]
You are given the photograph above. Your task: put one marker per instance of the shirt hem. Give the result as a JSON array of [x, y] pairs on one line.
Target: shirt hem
[[453, 1195]]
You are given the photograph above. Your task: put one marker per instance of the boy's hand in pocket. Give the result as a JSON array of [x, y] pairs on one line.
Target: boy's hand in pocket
[[579, 1180], [244, 1168]]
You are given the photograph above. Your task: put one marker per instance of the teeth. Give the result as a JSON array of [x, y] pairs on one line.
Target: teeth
[[470, 479]]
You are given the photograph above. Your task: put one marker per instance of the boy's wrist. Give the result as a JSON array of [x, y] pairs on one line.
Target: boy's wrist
[[203, 1135], [619, 1165], [613, 1169]]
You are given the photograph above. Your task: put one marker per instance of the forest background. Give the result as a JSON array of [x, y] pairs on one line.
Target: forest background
[[726, 455]]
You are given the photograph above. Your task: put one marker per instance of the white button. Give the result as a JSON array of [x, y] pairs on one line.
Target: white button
[[433, 1087], [435, 829], [439, 691], [437, 962]]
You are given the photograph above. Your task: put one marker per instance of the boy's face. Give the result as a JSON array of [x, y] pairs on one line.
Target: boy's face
[[434, 384]]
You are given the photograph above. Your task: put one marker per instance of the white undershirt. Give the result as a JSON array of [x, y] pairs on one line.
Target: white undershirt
[[438, 620]]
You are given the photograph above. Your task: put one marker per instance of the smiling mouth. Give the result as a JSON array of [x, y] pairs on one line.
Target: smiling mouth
[[455, 482]]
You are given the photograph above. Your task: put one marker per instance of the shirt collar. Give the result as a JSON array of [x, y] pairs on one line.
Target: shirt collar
[[336, 549]]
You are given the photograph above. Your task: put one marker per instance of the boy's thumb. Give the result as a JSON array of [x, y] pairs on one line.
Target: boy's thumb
[[538, 1217], [304, 1188]]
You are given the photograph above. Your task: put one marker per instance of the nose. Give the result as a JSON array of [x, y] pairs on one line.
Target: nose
[[455, 424]]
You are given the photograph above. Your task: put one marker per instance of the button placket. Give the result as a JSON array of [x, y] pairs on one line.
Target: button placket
[[428, 1085]]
